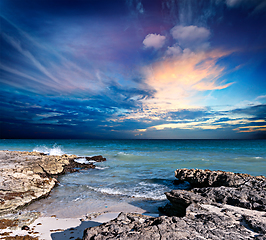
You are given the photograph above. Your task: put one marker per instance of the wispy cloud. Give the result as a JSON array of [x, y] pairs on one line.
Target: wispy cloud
[[177, 80]]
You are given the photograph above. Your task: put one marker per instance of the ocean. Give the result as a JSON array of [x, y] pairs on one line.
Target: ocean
[[137, 172]]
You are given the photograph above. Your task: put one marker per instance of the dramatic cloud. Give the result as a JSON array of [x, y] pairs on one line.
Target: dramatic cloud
[[154, 40], [178, 80], [191, 36], [133, 68]]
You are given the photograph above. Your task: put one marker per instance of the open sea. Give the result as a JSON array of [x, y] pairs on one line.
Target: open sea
[[137, 172]]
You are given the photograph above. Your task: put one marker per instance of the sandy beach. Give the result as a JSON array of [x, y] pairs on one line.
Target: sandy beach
[[53, 228]]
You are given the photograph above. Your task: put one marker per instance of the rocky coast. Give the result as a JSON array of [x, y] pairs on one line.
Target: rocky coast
[[28, 176], [218, 205]]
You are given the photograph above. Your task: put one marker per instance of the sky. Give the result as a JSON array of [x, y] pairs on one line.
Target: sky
[[133, 69]]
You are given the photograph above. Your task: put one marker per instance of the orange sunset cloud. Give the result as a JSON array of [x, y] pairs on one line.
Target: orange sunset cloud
[[177, 80]]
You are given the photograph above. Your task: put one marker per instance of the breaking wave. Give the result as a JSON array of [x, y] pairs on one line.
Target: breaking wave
[[55, 150], [141, 190]]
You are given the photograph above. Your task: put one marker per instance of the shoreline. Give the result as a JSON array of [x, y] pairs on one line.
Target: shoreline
[[225, 198], [30, 166], [29, 176]]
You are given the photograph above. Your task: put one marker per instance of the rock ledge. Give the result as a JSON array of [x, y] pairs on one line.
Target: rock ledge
[[27, 176]]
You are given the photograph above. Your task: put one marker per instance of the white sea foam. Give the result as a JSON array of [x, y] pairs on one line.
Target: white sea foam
[[123, 153], [55, 150], [154, 185], [91, 161], [82, 160], [110, 191], [142, 190], [101, 168], [258, 157], [205, 160]]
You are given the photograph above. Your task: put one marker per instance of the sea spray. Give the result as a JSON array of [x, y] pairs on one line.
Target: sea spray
[[55, 150]]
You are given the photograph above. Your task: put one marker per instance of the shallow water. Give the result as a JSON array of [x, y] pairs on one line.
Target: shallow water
[[137, 172]]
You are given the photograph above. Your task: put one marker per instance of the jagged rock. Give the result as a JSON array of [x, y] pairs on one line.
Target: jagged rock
[[180, 200], [26, 176], [240, 190], [250, 198], [201, 222], [212, 211], [99, 158], [207, 178]]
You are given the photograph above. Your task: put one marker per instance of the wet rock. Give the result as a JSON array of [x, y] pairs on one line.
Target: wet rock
[[27, 176], [99, 158]]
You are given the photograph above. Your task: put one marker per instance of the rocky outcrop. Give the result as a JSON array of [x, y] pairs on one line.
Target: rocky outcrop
[[219, 205], [27, 176], [217, 187], [207, 178], [201, 222]]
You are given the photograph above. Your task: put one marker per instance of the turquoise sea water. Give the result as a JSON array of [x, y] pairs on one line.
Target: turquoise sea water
[[137, 172]]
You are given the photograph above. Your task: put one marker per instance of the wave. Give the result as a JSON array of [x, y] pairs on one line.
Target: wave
[[141, 190], [82, 160], [55, 150], [101, 168], [123, 192]]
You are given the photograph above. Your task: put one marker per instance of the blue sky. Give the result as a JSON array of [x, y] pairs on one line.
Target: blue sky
[[163, 69]]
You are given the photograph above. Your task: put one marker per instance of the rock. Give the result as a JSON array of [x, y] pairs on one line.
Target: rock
[[201, 222], [207, 178], [220, 205], [27, 176], [249, 198], [16, 221], [99, 158], [243, 196], [240, 190], [25, 228], [180, 200]]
